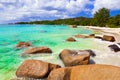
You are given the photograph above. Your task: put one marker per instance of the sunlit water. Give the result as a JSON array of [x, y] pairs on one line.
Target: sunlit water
[[54, 37]]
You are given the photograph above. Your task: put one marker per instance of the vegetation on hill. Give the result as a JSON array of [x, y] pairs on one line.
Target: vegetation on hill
[[101, 18]]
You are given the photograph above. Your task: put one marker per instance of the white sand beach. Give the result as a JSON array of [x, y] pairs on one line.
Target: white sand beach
[[107, 31]]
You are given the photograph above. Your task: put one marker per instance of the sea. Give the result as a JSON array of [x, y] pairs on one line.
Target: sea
[[52, 36]]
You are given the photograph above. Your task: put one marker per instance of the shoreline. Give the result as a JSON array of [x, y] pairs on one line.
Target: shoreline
[[107, 31]]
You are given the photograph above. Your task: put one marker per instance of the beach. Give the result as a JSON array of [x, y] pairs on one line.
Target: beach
[[107, 31], [55, 37]]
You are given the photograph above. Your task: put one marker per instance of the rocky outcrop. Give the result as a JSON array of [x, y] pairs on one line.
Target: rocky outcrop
[[85, 36], [37, 50], [105, 37], [108, 38], [114, 47], [74, 57], [71, 39], [23, 44], [86, 72], [35, 69], [73, 26]]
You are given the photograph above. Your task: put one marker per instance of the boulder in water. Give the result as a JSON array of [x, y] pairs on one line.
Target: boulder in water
[[114, 47], [23, 44], [37, 50], [74, 57], [86, 72], [35, 69], [108, 38], [71, 39]]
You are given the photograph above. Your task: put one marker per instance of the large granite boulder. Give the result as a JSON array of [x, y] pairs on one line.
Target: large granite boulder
[[108, 38], [37, 50], [70, 39], [35, 69], [86, 72], [23, 44], [75, 57]]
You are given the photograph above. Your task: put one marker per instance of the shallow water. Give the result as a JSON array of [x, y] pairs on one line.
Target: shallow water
[[54, 37]]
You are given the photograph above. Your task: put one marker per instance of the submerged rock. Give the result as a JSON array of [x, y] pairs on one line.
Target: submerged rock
[[114, 48], [86, 72], [108, 38], [37, 50], [71, 39], [23, 44], [75, 57], [35, 69]]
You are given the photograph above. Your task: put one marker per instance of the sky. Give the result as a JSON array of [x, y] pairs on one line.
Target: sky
[[12, 11]]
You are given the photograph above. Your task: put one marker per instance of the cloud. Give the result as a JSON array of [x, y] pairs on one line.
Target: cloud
[[110, 4], [17, 10], [29, 10]]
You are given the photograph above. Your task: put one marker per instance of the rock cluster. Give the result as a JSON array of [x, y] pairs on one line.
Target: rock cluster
[[105, 37], [77, 63]]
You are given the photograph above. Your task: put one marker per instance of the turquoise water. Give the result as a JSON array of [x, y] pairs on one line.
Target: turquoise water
[[53, 36]]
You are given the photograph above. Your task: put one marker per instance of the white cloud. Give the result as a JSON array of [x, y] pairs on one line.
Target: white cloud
[[19, 9], [110, 4], [7, 1]]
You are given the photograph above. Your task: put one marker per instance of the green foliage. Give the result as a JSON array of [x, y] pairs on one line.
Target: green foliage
[[101, 17], [114, 21]]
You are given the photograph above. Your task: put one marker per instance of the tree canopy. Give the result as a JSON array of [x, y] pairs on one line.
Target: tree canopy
[[101, 17]]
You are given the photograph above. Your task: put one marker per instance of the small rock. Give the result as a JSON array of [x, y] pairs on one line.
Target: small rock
[[23, 44], [71, 39]]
